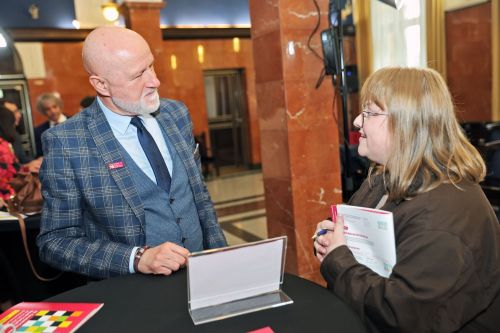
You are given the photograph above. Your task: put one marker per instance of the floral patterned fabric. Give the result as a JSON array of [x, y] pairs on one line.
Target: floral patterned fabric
[[8, 169]]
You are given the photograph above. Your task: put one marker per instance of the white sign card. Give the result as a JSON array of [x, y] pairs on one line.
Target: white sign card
[[236, 279]]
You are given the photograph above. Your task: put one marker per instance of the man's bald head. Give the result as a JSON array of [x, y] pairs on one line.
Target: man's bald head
[[106, 46], [120, 67]]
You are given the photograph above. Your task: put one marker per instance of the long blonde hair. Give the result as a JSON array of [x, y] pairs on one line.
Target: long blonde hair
[[427, 140]]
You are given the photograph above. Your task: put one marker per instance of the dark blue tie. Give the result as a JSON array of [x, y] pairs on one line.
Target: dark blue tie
[[153, 154]]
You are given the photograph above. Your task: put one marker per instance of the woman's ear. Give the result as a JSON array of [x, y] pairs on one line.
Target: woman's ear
[[100, 85]]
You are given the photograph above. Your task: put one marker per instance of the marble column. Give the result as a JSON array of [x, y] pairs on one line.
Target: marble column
[[144, 18], [298, 124]]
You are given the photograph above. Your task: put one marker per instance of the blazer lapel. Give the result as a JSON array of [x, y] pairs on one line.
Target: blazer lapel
[[183, 150], [109, 149]]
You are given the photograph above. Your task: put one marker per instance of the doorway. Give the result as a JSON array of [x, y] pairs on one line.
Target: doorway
[[227, 118]]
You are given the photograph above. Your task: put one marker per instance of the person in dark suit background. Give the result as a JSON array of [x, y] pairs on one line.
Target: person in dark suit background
[[123, 192], [51, 106]]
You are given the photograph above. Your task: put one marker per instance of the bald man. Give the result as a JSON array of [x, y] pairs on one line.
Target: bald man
[[121, 180]]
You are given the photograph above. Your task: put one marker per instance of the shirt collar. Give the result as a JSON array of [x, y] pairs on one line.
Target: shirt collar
[[117, 121], [61, 119]]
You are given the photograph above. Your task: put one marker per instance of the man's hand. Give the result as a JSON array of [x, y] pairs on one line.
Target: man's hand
[[163, 259], [332, 239]]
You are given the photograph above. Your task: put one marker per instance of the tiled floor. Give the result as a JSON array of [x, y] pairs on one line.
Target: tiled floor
[[239, 202]]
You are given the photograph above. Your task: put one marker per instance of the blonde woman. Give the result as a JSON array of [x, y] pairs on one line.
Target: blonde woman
[[447, 275]]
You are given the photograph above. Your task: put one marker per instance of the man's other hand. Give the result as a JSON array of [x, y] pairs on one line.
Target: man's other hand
[[163, 259]]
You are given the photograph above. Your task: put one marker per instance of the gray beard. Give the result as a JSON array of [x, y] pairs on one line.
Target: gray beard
[[137, 108]]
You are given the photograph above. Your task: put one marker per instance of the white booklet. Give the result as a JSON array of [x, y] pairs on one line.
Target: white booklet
[[369, 235]]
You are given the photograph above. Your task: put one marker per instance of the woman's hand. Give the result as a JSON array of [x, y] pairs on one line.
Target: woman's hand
[[334, 237]]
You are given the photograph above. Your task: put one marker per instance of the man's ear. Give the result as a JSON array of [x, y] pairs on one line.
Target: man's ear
[[100, 85]]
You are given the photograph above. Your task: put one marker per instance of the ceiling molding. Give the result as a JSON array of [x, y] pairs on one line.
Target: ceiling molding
[[74, 35], [452, 5], [143, 5], [204, 33], [48, 35]]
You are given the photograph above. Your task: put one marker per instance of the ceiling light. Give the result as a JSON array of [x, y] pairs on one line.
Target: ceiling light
[[173, 61], [110, 11], [201, 54], [236, 44]]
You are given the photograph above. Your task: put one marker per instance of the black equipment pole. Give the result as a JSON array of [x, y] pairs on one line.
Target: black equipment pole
[[348, 184]]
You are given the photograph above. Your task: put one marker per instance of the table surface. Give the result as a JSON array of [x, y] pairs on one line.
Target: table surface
[[148, 303], [16, 278], [32, 222]]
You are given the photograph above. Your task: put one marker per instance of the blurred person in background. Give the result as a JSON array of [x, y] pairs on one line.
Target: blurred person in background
[[29, 161], [51, 106], [9, 122], [11, 106], [9, 164]]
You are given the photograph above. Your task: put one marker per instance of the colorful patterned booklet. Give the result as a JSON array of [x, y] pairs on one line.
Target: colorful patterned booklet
[[43, 317]]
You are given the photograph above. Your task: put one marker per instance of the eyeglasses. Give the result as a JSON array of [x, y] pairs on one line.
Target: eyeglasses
[[367, 114]]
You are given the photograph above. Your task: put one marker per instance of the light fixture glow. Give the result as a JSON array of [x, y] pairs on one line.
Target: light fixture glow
[[291, 48], [201, 54], [110, 11], [236, 44], [34, 11], [3, 42], [173, 61]]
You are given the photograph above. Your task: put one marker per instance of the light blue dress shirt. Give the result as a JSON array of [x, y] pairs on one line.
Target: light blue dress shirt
[[126, 134]]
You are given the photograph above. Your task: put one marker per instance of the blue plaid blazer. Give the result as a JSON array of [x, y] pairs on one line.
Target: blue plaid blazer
[[92, 215]]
